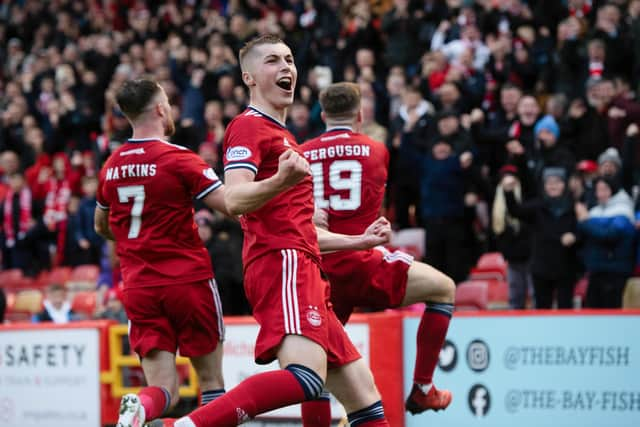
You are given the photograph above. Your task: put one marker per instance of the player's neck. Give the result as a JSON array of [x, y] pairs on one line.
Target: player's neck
[[353, 127], [148, 131], [279, 114]]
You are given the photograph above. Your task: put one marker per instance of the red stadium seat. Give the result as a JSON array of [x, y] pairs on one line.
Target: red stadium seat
[[58, 275], [490, 266], [11, 279], [492, 260], [498, 294], [84, 303], [472, 296], [83, 277]]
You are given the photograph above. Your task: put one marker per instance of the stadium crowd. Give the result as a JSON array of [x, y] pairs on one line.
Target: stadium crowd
[[537, 98]]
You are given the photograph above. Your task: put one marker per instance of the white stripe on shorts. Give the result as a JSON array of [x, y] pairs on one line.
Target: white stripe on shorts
[[216, 301], [395, 256], [290, 309]]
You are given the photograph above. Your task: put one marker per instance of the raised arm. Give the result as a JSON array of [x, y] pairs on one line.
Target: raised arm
[[243, 194]]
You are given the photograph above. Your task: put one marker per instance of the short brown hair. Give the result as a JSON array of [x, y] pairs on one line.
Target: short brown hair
[[341, 101], [135, 95], [256, 41]]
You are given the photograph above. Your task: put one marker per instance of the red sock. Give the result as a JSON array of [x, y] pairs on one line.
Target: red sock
[[316, 413], [155, 401], [255, 395], [431, 334]]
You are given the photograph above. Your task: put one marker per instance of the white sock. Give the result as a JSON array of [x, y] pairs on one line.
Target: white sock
[[184, 422], [424, 387]]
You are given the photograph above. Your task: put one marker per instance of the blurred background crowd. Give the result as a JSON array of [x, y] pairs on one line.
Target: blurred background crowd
[[512, 124]]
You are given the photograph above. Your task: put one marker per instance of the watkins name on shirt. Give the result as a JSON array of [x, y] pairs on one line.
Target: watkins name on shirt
[[136, 170]]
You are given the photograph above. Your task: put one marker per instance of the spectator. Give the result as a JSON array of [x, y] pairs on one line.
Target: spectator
[[608, 233], [554, 260], [513, 239], [586, 130], [442, 190], [370, 126], [299, 123], [17, 221], [88, 240], [57, 308], [402, 29], [111, 307], [610, 164], [550, 152], [410, 137], [223, 239]]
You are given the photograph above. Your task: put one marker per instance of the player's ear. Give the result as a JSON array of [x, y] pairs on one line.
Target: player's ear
[[323, 116], [159, 110], [359, 117], [248, 79]]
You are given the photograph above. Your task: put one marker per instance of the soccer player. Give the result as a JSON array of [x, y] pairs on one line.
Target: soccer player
[[268, 182], [349, 174], [145, 203]]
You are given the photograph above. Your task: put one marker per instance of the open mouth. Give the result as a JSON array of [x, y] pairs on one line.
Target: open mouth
[[285, 83]]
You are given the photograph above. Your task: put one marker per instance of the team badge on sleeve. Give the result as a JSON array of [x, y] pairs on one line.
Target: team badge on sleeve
[[238, 153], [209, 173]]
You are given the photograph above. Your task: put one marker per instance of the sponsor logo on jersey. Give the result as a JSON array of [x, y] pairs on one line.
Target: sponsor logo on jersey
[[134, 151], [286, 143], [209, 173], [238, 153]]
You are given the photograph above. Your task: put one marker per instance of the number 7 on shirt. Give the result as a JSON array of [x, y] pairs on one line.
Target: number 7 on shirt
[[137, 193]]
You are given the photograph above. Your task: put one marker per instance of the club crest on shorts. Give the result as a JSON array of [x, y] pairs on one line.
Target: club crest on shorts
[[313, 317]]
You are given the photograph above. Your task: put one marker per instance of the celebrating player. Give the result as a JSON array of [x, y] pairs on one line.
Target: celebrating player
[[349, 174], [145, 203], [269, 184]]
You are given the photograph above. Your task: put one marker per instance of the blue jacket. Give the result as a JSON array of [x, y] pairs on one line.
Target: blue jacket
[[85, 228], [609, 236], [442, 188]]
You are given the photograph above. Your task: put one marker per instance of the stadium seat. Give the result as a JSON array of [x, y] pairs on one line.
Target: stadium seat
[[11, 279], [11, 300], [83, 278], [84, 303], [490, 266], [25, 305], [498, 294], [412, 238], [472, 296], [58, 275], [492, 260], [631, 296]]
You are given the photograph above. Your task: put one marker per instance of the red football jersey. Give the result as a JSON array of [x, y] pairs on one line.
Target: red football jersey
[[349, 177], [255, 141], [148, 186]]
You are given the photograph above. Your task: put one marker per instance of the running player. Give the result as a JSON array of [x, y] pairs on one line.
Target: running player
[[349, 174], [145, 203], [269, 184]]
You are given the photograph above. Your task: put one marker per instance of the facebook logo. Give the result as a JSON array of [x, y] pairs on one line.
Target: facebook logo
[[479, 400]]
